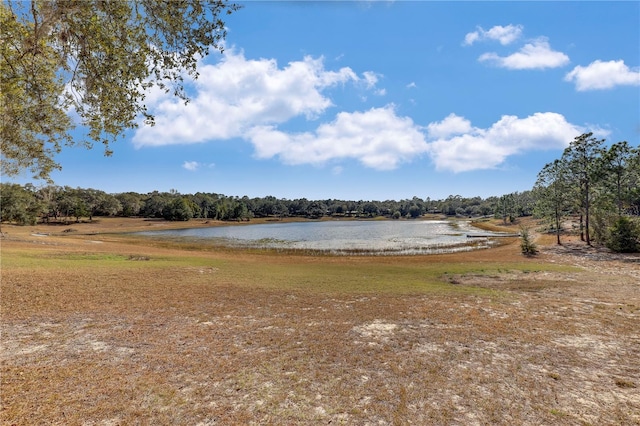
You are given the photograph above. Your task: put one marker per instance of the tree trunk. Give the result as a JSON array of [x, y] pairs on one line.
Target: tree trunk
[[558, 226], [586, 219], [581, 227]]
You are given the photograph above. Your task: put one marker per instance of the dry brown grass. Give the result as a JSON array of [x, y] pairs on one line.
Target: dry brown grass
[[99, 329]]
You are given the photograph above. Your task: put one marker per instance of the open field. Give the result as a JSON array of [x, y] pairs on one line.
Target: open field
[[100, 328]]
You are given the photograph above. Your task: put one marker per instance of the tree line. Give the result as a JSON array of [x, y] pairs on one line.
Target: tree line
[[27, 204], [590, 187]]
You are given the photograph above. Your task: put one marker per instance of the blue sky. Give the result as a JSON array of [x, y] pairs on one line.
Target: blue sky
[[384, 100]]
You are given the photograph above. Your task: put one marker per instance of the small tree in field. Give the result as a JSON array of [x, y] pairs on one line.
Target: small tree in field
[[527, 245]]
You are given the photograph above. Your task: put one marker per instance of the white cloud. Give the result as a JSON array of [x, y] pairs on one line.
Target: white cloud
[[471, 38], [603, 75], [192, 166], [457, 146], [378, 138], [251, 98], [370, 78], [451, 125], [535, 55], [412, 85], [236, 94], [505, 35]]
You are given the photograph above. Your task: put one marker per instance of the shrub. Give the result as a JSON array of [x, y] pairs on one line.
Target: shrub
[[527, 245], [624, 236]]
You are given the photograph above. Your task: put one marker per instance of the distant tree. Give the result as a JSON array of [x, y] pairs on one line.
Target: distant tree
[[223, 208], [472, 210], [298, 207], [241, 211], [206, 205], [92, 199], [131, 203], [418, 202], [179, 209], [268, 206], [429, 205], [19, 204], [485, 209], [354, 208], [370, 209], [109, 206], [48, 196], [633, 184], [97, 57], [415, 211], [71, 204], [582, 157], [618, 173], [506, 208], [155, 204], [232, 208], [451, 204], [316, 209], [524, 203], [338, 208], [264, 207], [553, 194]]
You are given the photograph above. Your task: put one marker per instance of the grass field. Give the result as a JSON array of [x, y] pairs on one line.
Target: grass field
[[103, 328]]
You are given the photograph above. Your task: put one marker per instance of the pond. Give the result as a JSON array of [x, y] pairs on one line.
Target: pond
[[380, 237]]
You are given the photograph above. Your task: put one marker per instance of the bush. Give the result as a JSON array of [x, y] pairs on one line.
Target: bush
[[527, 246], [624, 236]]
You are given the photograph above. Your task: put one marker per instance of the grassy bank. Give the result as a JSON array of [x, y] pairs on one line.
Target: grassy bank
[[103, 328]]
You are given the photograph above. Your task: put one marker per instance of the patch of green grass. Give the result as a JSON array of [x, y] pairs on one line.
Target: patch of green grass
[[308, 273], [47, 259], [366, 277], [88, 256], [557, 412]]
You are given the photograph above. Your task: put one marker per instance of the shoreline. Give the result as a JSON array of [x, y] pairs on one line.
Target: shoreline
[[126, 228]]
